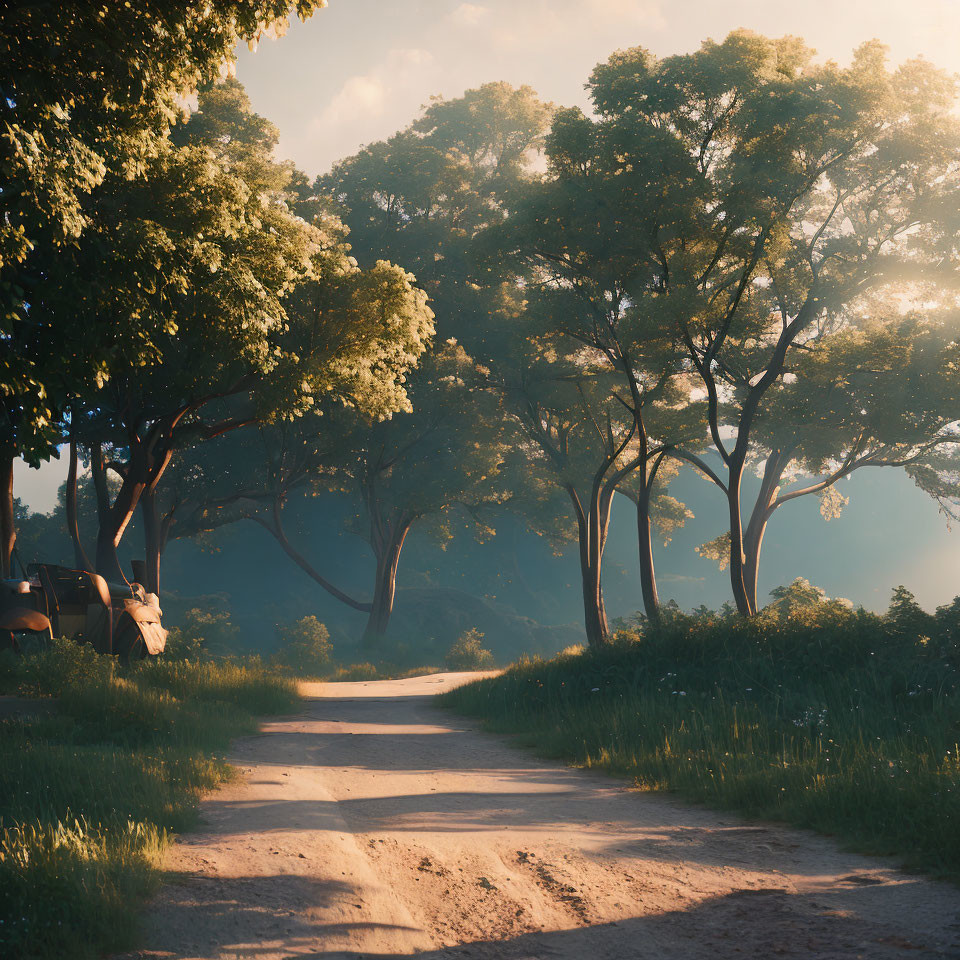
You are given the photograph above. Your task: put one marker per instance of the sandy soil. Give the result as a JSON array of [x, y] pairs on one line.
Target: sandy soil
[[374, 825]]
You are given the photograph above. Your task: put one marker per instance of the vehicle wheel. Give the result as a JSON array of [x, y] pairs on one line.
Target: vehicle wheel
[[128, 643]]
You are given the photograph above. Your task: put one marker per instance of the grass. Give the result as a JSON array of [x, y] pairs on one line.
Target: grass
[[844, 722], [91, 793]]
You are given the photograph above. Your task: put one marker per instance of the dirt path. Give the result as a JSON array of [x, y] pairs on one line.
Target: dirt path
[[374, 825]]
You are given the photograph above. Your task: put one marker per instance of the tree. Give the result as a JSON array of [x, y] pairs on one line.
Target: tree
[[572, 232], [792, 191], [252, 313], [579, 440], [444, 456], [420, 198], [88, 93], [884, 394]]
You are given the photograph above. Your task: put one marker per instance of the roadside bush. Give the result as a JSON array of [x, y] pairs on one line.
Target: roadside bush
[[180, 646], [468, 654], [202, 634], [304, 647], [60, 666], [354, 672], [247, 683], [811, 712], [90, 791]]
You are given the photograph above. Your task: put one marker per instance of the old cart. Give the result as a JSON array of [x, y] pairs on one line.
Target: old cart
[[58, 601]]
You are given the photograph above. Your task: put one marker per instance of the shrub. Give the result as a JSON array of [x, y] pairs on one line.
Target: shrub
[[811, 712], [182, 647], [356, 672], [304, 647], [202, 634], [62, 665], [90, 791], [468, 654]]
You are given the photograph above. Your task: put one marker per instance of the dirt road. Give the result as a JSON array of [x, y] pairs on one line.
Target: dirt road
[[374, 825]]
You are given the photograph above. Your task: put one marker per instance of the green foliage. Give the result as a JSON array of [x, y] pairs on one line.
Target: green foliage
[[225, 309], [91, 791], [61, 667], [467, 652], [89, 96], [201, 634], [85, 879], [817, 714], [356, 672], [801, 600], [180, 646], [304, 647]]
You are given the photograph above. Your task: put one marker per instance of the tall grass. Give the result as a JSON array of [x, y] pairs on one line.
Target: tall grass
[[844, 722], [91, 792]]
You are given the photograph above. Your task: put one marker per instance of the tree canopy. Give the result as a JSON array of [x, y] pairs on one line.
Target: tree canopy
[[743, 258]]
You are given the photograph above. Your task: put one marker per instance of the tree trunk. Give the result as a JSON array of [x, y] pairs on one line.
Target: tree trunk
[[388, 560], [648, 576], [275, 527], [8, 529], [763, 510], [152, 540], [594, 613], [142, 473], [80, 559], [752, 542], [736, 542], [99, 473], [591, 531], [113, 524]]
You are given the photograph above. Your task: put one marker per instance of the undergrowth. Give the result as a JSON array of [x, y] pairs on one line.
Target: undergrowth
[[839, 720], [91, 791]]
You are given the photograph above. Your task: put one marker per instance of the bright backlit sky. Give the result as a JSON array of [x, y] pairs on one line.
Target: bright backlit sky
[[361, 69]]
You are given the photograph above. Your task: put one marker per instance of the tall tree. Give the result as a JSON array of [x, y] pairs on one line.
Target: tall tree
[[250, 312], [572, 231], [420, 198], [885, 394], [580, 439], [88, 92], [443, 457], [794, 190]]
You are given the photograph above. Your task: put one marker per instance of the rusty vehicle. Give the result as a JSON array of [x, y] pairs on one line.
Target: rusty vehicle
[[22, 617], [57, 601]]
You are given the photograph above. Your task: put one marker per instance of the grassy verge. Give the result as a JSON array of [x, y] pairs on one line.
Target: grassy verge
[[844, 722], [90, 794]]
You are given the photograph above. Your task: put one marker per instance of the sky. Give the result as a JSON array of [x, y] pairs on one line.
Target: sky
[[361, 69]]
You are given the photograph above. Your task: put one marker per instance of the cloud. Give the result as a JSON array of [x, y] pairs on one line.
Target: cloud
[[366, 106], [628, 12], [539, 24], [468, 14], [362, 94]]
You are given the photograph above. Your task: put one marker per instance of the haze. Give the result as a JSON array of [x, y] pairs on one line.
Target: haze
[[328, 96]]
